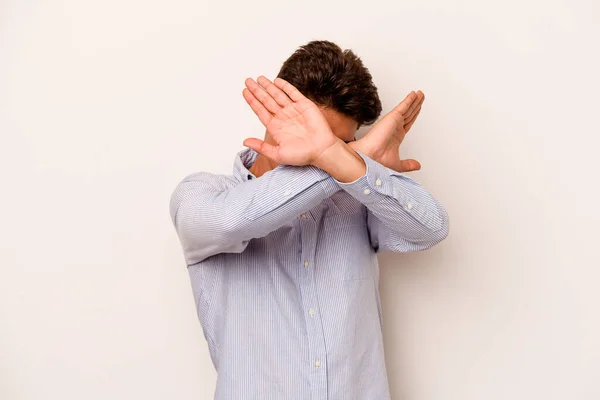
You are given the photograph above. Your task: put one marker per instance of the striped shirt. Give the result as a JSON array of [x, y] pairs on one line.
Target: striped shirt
[[285, 276]]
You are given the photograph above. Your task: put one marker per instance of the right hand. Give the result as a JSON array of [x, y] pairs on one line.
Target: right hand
[[296, 125]]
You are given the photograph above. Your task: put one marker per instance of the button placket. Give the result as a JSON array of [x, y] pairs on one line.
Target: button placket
[[314, 326]]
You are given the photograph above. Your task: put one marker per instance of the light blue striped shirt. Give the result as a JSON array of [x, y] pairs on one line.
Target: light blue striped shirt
[[285, 276]]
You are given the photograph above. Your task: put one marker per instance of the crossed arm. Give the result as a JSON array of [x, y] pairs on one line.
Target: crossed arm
[[313, 165]]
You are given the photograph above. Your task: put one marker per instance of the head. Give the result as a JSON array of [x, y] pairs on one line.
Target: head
[[338, 82]]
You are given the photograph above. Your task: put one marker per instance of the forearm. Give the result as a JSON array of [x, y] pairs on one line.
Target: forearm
[[398, 202], [342, 163], [210, 219]]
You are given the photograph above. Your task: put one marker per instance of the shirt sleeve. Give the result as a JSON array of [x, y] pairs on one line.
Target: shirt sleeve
[[212, 216], [401, 215]]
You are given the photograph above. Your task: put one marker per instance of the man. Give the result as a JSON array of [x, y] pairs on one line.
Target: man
[[282, 254]]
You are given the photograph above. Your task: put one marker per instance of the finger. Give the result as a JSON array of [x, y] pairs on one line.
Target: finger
[[412, 114], [289, 89], [280, 97], [411, 117], [262, 147], [405, 104], [415, 106], [262, 96], [412, 121], [407, 165], [261, 112]]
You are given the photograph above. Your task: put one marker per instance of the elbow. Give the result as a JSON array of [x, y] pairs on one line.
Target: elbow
[[440, 231], [201, 240], [201, 233], [192, 229], [200, 244], [191, 219], [432, 233], [418, 236]]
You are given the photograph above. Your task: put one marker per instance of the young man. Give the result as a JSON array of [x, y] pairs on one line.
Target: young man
[[282, 254]]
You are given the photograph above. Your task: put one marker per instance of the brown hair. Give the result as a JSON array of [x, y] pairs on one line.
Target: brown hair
[[333, 78]]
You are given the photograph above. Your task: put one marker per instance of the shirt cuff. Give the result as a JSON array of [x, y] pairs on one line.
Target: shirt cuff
[[376, 184], [372, 186], [381, 184]]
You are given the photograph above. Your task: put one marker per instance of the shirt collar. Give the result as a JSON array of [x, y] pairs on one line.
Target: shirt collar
[[243, 161]]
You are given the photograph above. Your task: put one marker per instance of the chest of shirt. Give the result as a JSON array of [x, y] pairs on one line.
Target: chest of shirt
[[332, 240]]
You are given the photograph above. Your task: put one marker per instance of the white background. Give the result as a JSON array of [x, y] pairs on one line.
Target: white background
[[106, 105]]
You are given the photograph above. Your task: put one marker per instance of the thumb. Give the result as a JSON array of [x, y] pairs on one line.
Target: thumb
[[407, 165], [262, 147]]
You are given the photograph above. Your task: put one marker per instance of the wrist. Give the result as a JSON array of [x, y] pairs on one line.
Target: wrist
[[361, 146], [341, 162]]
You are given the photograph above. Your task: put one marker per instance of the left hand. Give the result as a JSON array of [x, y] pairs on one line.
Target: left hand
[[383, 141]]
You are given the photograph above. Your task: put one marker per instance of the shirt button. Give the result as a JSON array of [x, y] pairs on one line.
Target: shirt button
[[305, 264], [378, 182], [288, 192], [317, 363], [311, 312], [367, 191], [409, 206], [303, 216]]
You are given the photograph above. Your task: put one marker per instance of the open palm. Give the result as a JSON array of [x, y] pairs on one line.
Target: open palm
[[383, 141], [295, 124]]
